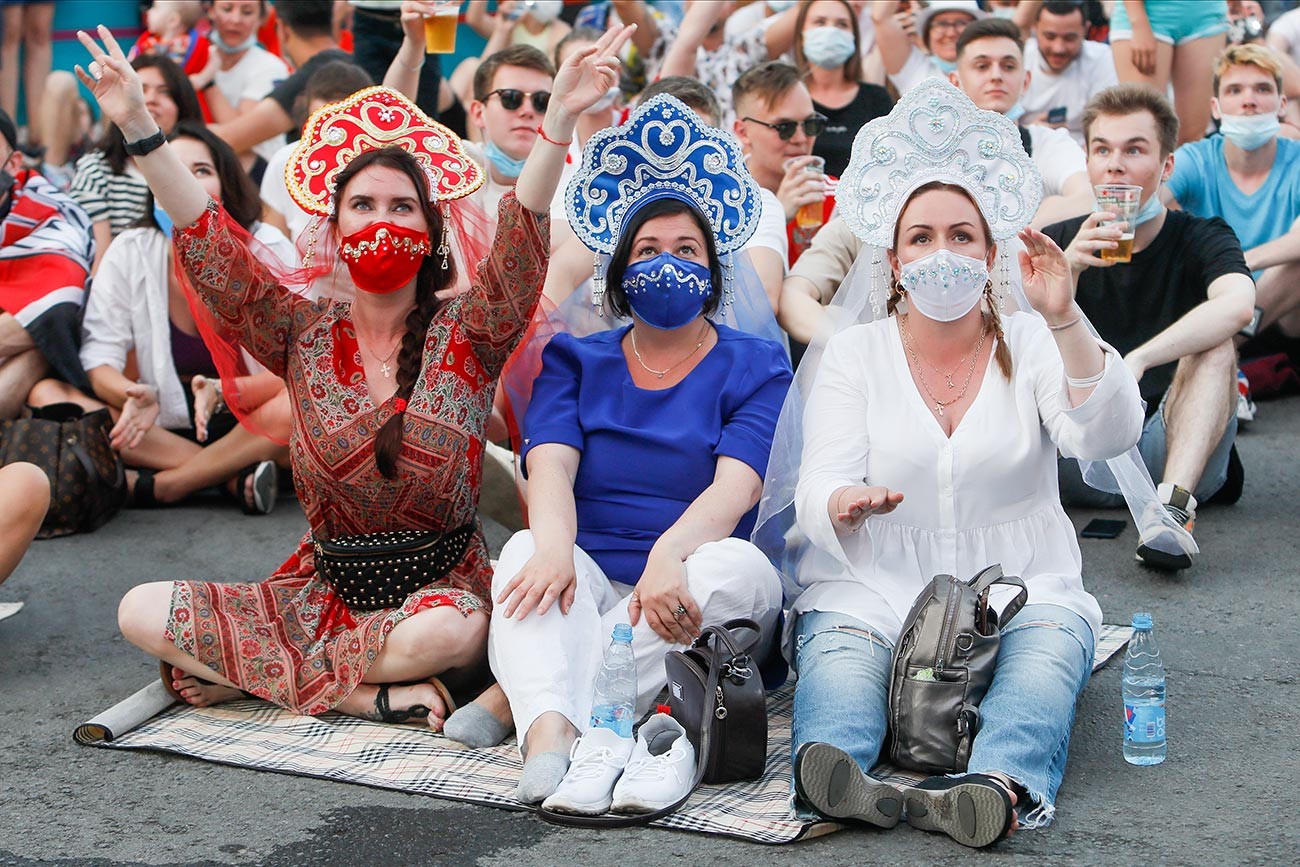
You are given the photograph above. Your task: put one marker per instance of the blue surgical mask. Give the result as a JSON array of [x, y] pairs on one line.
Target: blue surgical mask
[[503, 162], [945, 66], [1250, 131], [779, 5], [828, 47], [233, 49], [164, 222], [1004, 12], [667, 292], [1150, 209], [1016, 112]]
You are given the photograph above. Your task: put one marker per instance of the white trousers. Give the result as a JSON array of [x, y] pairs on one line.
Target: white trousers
[[550, 662]]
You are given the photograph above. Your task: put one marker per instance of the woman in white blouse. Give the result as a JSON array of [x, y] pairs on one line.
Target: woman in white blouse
[[929, 445]]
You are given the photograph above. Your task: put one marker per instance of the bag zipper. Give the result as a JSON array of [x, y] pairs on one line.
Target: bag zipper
[[945, 635]]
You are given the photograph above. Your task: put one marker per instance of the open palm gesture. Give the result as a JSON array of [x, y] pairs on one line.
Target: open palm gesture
[[1045, 275], [587, 75], [115, 84]]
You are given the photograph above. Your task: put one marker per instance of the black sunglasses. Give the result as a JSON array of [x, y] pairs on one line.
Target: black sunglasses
[[813, 126], [511, 99]]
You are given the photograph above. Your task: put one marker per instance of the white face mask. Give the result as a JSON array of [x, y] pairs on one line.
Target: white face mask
[[1250, 131], [544, 11], [944, 286]]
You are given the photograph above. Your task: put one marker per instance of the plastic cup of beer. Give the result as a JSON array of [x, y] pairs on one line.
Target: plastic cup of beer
[[1122, 200], [809, 216], [440, 29]]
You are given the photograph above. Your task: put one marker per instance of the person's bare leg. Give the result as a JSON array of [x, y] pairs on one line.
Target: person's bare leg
[[25, 491], [1192, 86], [18, 374], [216, 463], [1159, 79], [38, 54], [48, 391], [14, 339], [60, 116], [550, 733], [12, 30], [1201, 400]]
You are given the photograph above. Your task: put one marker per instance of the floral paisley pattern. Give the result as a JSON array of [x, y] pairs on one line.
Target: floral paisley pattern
[[289, 639]]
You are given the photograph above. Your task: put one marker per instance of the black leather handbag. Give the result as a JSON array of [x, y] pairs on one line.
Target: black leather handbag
[[379, 570], [943, 666], [716, 693], [87, 479]]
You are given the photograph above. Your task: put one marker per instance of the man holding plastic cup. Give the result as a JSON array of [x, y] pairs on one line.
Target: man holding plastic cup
[[1171, 310]]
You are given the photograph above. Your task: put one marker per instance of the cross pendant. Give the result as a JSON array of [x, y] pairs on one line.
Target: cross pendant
[[385, 370], [938, 407]]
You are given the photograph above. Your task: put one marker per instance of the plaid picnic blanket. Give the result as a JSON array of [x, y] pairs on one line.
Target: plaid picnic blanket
[[259, 735]]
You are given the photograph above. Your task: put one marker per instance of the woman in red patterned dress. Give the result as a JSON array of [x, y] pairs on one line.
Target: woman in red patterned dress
[[390, 396]]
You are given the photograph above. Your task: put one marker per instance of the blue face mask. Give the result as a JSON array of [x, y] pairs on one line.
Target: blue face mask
[[164, 222], [503, 162], [828, 47], [233, 49], [945, 66], [1016, 112], [667, 292], [1150, 209], [1250, 132]]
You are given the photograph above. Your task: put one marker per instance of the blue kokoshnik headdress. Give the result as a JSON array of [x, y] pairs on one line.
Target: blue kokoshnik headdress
[[663, 151]]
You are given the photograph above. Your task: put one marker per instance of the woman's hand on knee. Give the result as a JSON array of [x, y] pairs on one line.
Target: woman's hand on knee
[[545, 579], [662, 596]]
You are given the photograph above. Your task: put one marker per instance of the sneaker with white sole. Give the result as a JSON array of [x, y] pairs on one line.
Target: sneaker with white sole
[[596, 762], [1181, 507], [1245, 406], [661, 769]]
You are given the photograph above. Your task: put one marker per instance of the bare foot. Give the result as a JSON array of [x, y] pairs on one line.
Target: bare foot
[[420, 699], [494, 701], [1006, 784], [199, 693], [550, 733], [207, 398]]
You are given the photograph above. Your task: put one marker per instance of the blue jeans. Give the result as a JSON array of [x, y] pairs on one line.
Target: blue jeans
[[1045, 659]]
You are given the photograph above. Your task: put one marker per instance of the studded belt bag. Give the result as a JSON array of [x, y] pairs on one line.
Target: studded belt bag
[[379, 570]]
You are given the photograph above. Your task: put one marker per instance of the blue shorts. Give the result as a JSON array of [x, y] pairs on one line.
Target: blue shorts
[[1175, 21]]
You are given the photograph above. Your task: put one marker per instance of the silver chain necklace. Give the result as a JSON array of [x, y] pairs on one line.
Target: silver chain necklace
[[662, 373]]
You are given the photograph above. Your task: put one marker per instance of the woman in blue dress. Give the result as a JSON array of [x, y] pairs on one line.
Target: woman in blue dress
[[644, 446]]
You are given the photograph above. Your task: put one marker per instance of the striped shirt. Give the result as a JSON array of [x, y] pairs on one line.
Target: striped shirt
[[120, 199]]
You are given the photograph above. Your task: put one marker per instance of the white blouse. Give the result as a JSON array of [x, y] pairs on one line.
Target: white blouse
[[986, 495]]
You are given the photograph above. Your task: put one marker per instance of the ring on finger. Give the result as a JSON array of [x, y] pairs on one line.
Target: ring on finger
[[679, 611]]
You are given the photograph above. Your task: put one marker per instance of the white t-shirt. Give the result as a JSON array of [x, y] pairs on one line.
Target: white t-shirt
[[1056, 155], [1286, 29], [253, 77], [1092, 71], [276, 193], [771, 227], [918, 68]]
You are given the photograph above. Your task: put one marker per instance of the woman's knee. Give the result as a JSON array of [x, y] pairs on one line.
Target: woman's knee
[[142, 615], [514, 554], [27, 486], [441, 635], [733, 564]]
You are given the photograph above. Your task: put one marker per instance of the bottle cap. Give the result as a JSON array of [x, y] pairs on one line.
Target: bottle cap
[[1141, 620], [623, 633]]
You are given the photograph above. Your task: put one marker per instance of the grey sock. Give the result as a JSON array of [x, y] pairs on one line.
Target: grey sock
[[541, 777], [474, 726]]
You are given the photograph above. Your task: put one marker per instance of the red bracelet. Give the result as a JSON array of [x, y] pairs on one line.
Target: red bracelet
[[541, 132]]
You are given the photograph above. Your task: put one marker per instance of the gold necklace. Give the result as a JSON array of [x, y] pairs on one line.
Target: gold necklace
[[920, 368], [662, 373], [385, 369]]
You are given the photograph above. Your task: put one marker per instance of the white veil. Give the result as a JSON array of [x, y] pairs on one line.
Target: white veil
[[933, 134]]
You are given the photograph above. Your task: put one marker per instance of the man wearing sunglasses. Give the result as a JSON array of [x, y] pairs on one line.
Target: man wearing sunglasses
[[511, 91], [777, 126]]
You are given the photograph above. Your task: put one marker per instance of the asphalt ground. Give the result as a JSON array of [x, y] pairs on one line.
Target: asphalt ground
[[1226, 795]]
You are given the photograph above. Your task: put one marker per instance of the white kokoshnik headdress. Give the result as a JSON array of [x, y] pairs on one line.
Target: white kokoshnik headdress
[[934, 133], [663, 151]]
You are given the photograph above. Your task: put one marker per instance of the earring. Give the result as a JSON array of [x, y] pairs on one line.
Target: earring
[[877, 280], [444, 248], [728, 284], [597, 283]]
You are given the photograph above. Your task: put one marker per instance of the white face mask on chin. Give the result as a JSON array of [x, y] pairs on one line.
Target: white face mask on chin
[[944, 286]]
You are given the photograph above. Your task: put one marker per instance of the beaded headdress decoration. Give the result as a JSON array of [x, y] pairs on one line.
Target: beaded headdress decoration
[[936, 133], [663, 151], [370, 119]]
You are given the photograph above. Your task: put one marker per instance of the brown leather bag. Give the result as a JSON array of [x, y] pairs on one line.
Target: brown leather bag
[[87, 479]]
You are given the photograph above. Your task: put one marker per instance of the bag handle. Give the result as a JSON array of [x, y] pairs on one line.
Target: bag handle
[[984, 581], [723, 634]]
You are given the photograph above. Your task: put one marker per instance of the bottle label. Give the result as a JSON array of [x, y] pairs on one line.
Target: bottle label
[[1144, 723]]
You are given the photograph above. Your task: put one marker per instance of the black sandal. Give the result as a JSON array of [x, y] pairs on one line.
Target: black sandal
[[417, 712], [142, 496], [975, 809], [266, 485]]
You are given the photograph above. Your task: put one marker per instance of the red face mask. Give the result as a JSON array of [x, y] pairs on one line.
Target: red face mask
[[383, 257]]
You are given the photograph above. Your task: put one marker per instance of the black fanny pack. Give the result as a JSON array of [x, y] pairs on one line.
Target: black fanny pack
[[379, 570]]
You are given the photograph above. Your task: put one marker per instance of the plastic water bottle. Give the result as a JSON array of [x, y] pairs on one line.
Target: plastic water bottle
[[1144, 697], [615, 699]]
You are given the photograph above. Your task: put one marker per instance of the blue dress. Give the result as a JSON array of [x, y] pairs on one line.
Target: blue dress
[[647, 454]]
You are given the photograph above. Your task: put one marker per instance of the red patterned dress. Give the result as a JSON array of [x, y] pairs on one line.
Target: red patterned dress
[[290, 639]]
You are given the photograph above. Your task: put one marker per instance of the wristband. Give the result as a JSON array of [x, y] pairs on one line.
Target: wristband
[[1086, 381], [1065, 325], [546, 138], [146, 145]]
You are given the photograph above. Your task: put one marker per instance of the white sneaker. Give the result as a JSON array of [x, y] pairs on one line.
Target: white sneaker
[[661, 769], [597, 760]]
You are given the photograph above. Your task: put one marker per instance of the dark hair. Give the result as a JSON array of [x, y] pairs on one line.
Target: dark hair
[[768, 81], [990, 28], [1001, 353], [332, 82], [239, 195], [431, 278], [689, 90], [853, 66], [306, 18], [1124, 99], [1063, 7], [615, 298], [182, 93], [525, 56]]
